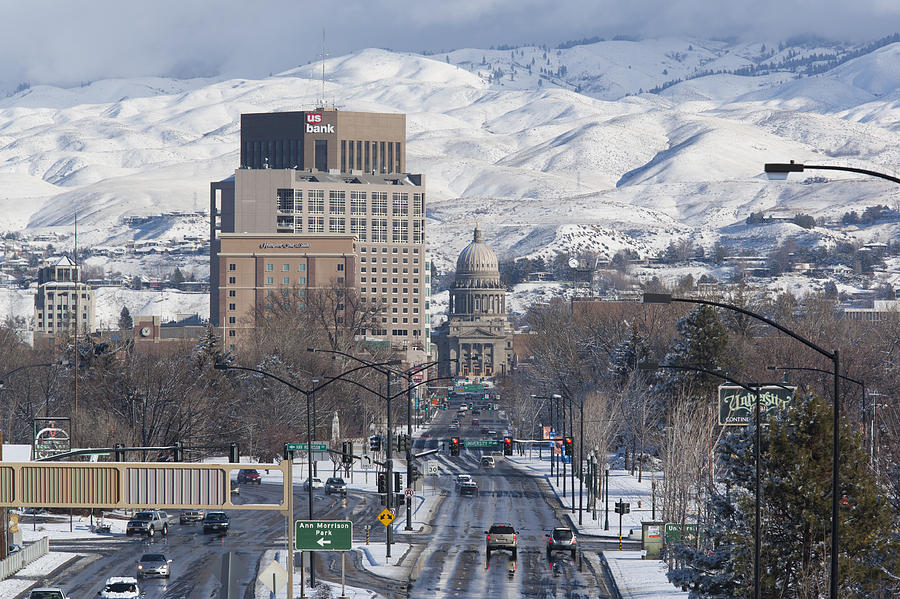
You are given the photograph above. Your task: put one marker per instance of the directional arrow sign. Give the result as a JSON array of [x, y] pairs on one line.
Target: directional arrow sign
[[302, 446], [386, 517], [323, 535]]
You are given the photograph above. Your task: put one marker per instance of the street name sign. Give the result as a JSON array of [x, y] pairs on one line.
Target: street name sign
[[386, 517], [323, 535], [302, 446], [479, 443]]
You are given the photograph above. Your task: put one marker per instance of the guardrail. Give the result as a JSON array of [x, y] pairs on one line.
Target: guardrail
[[20, 559]]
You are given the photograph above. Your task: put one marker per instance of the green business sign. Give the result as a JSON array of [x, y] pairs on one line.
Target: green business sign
[[323, 535], [737, 406], [674, 533], [479, 443], [302, 446]]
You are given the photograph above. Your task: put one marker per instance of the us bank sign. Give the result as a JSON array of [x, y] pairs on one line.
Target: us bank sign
[[737, 405], [314, 123]]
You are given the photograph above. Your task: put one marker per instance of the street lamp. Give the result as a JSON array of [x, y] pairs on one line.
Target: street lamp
[[556, 396], [776, 169], [665, 298], [308, 393]]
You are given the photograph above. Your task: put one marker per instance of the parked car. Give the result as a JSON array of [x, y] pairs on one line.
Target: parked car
[[316, 484], [561, 539], [216, 522], [501, 535], [335, 485], [47, 593], [120, 587], [154, 564], [469, 488], [249, 476], [190, 517], [148, 523]]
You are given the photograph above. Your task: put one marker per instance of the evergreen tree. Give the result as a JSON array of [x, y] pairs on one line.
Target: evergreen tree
[[125, 321], [627, 356], [177, 277], [702, 343], [796, 514]]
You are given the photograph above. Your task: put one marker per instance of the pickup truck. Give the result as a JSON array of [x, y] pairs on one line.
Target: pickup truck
[[148, 523]]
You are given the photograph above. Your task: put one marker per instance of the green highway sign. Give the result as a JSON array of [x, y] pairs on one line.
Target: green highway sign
[[302, 446], [479, 443], [323, 535]]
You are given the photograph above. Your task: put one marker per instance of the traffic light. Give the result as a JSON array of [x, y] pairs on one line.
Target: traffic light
[[375, 443], [454, 446], [398, 482], [415, 474], [402, 442], [347, 452], [178, 452], [233, 454], [507, 446], [382, 484], [568, 446]]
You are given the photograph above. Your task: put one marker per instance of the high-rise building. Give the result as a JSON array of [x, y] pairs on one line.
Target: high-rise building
[[63, 304], [384, 211], [324, 139]]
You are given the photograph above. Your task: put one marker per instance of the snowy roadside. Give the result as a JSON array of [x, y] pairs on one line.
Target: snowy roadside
[[31, 574]]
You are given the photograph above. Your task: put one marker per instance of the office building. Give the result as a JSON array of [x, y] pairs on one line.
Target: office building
[[63, 304]]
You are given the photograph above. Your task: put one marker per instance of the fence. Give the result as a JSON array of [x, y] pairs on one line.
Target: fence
[[20, 559]]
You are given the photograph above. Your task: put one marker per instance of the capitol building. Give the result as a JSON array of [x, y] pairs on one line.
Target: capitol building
[[477, 339]]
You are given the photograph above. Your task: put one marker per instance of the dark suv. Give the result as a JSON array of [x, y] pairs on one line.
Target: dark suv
[[215, 522], [249, 476], [501, 536], [561, 539]]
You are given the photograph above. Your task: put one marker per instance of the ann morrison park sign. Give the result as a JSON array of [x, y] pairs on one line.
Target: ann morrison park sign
[[736, 404]]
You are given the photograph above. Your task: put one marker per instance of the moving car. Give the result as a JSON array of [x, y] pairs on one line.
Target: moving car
[[216, 522], [561, 539], [501, 535], [153, 564], [120, 587], [47, 593], [462, 478], [249, 476], [470, 488], [316, 484], [190, 516], [148, 523], [487, 461], [335, 485]]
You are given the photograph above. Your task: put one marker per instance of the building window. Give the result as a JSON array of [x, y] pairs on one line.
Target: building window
[[232, 307], [230, 267], [337, 202], [418, 231], [316, 202], [285, 268], [400, 231], [301, 280], [401, 204], [357, 202], [232, 320], [301, 267], [337, 225], [285, 280], [340, 266], [418, 204], [340, 280], [232, 280], [316, 224], [358, 228], [289, 200], [232, 333], [379, 203], [232, 293], [270, 280], [270, 267], [379, 230]]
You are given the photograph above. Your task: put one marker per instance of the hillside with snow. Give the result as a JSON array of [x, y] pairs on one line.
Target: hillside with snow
[[549, 150]]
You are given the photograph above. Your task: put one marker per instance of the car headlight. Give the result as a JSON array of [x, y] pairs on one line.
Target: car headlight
[[140, 566]]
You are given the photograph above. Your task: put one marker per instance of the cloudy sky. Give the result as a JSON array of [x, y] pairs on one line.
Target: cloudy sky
[[65, 43]]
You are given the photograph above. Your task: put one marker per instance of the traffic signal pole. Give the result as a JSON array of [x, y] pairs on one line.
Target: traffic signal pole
[[409, 464], [389, 466]]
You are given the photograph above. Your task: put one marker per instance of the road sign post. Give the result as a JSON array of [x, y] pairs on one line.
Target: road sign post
[[323, 535]]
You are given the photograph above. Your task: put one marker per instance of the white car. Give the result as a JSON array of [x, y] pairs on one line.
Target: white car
[[316, 484], [120, 587], [461, 479], [47, 593]]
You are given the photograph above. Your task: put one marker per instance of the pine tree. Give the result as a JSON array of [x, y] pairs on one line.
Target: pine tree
[[703, 343], [796, 515], [125, 321]]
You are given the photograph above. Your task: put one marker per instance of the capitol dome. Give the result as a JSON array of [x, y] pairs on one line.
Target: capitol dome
[[477, 258]]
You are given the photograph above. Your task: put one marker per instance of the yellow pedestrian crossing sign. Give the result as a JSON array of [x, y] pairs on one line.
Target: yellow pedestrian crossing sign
[[386, 517]]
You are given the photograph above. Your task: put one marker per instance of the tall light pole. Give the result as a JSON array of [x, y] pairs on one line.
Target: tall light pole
[[308, 393], [552, 427], [665, 298], [782, 170]]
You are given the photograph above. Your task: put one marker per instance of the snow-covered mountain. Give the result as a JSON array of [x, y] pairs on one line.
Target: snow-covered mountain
[[550, 150]]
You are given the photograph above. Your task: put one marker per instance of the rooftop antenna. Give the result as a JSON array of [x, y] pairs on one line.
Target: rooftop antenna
[[324, 54]]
